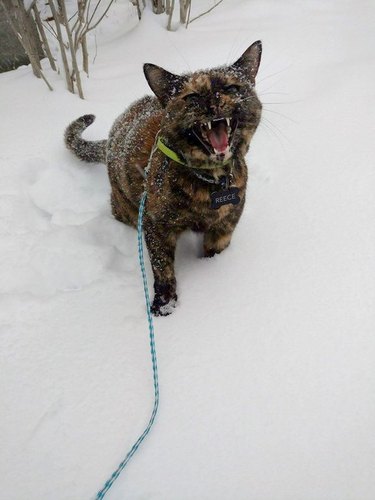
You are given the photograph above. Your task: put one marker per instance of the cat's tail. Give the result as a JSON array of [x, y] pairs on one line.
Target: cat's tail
[[91, 151]]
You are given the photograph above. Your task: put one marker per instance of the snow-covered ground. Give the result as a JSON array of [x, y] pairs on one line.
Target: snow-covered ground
[[267, 365]]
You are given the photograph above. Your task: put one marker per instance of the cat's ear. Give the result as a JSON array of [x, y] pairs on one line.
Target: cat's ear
[[248, 63], [164, 85]]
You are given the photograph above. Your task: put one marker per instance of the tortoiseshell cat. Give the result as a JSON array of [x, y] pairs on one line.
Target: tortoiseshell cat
[[204, 122]]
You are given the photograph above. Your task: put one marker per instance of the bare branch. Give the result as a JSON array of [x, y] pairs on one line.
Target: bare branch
[[188, 16], [204, 13], [184, 4], [93, 13], [50, 29], [90, 28], [171, 9], [46, 81], [42, 33], [31, 6], [71, 46], [158, 6], [69, 81]]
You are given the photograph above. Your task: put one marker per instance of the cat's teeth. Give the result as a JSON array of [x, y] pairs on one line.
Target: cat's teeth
[[209, 125], [228, 121]]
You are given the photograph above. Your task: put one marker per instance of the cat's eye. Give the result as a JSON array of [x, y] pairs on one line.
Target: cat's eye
[[192, 98], [232, 89]]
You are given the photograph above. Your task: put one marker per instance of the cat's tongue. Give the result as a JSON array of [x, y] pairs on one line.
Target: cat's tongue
[[218, 137]]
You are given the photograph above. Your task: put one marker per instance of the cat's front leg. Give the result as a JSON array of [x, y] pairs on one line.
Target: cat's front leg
[[215, 242], [217, 239], [218, 236], [161, 245]]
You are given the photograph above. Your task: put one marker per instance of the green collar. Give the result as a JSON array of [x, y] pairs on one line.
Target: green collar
[[168, 152], [174, 156]]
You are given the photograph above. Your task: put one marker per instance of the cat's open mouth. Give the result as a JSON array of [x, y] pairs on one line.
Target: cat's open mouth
[[215, 136]]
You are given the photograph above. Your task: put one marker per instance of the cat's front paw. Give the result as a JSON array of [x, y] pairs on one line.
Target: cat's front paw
[[215, 242], [162, 308], [165, 298], [210, 252]]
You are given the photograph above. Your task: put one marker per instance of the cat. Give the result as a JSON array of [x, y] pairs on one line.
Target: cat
[[193, 136]]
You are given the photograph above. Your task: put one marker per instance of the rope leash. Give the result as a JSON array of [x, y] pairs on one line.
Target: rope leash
[[101, 494]]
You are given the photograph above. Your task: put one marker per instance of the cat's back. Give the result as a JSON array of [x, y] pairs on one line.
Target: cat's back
[[135, 129]]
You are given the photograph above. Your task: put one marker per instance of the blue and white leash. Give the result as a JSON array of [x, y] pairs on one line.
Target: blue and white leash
[[101, 494]]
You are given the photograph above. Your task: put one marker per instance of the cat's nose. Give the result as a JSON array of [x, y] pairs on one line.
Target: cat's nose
[[215, 104], [215, 109]]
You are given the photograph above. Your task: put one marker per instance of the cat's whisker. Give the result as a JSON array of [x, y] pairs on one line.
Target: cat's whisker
[[280, 114], [236, 40], [275, 130], [277, 102], [271, 133], [250, 98], [274, 74], [202, 142], [174, 46], [273, 93], [263, 102], [260, 91], [271, 103]]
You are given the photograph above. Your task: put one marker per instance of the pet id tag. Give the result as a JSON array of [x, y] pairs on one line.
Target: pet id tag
[[224, 197]]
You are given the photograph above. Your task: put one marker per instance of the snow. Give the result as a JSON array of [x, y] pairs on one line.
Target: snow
[[266, 365]]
